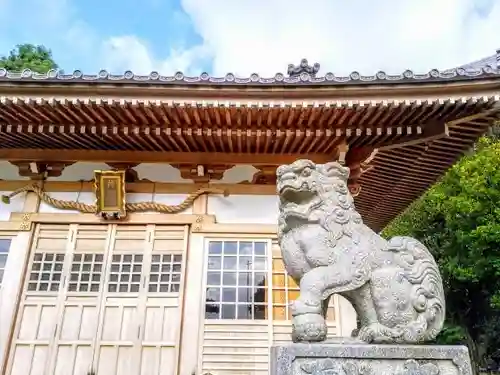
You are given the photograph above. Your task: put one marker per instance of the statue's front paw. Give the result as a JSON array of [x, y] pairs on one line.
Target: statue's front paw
[[309, 328], [368, 333], [379, 334]]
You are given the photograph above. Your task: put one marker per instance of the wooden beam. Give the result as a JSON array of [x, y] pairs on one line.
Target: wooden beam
[[134, 218], [430, 132], [39, 171], [52, 155]]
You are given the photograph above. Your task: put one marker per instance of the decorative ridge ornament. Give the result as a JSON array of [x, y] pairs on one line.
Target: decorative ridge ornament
[[303, 67]]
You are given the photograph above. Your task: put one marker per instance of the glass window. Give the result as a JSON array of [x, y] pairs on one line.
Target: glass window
[[165, 273], [45, 273], [86, 271], [4, 254], [236, 280], [238, 285], [284, 291], [125, 273]]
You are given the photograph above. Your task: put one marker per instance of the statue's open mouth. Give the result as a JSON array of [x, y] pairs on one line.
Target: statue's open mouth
[[296, 195]]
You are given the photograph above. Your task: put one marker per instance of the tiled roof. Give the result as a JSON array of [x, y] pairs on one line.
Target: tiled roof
[[304, 77], [490, 61]]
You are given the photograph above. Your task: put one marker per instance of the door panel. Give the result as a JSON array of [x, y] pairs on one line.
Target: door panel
[[162, 314], [120, 312], [39, 311], [81, 295]]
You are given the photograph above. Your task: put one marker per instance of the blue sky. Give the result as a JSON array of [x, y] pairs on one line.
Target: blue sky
[[245, 36]]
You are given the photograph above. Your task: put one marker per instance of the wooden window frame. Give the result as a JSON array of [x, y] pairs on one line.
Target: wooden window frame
[[252, 272], [5, 236]]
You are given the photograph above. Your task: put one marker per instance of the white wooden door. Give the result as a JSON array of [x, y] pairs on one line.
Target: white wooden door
[[40, 309], [141, 304], [74, 341], [121, 304], [161, 317], [102, 298]]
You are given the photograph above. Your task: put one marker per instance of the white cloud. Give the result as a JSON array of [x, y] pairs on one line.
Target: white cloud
[[263, 36], [126, 53], [392, 35], [123, 53]]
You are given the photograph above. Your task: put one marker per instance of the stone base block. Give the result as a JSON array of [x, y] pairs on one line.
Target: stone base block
[[355, 358]]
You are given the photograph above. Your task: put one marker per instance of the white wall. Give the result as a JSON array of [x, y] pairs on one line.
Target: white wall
[[16, 205], [235, 209], [244, 209], [17, 202], [347, 317], [147, 171]]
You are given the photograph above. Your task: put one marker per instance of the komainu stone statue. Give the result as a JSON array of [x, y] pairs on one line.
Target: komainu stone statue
[[395, 286]]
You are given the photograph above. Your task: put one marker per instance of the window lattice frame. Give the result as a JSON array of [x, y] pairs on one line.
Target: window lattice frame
[[5, 243]]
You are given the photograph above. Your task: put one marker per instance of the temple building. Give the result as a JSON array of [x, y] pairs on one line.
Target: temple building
[[139, 214]]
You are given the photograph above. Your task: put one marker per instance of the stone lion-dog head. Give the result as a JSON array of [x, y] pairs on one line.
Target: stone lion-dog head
[[309, 192]]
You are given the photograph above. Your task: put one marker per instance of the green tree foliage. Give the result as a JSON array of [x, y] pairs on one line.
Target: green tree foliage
[[459, 220], [28, 56]]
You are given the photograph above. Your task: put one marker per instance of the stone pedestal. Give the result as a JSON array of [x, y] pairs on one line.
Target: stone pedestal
[[355, 358]]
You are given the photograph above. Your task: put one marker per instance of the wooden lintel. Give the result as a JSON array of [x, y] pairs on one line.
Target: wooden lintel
[[431, 132], [133, 218], [53, 155], [201, 223]]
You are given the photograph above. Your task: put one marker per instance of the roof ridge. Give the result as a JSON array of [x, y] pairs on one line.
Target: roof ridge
[[464, 72]]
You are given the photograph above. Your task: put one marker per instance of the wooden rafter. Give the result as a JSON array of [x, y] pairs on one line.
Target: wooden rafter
[[416, 140], [126, 157]]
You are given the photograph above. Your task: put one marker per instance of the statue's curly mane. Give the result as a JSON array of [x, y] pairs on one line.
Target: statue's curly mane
[[421, 271]]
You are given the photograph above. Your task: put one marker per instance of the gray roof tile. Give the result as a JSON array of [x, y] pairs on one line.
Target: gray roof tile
[[297, 75]]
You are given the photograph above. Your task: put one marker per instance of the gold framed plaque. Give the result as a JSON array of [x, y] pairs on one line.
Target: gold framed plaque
[[109, 189]]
